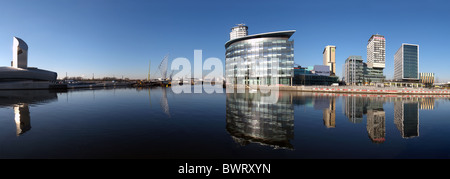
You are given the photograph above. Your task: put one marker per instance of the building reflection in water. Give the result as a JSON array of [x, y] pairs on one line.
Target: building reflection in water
[[328, 106], [376, 127], [427, 103], [20, 101], [329, 114], [22, 118], [354, 108], [357, 106], [406, 117], [250, 120]]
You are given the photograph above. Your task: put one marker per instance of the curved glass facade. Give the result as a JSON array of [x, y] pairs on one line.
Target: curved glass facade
[[260, 60]]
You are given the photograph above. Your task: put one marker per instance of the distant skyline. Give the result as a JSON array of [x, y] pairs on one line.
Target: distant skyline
[[119, 37]]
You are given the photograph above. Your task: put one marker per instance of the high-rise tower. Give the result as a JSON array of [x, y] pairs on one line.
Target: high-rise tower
[[376, 51], [241, 30], [329, 58]]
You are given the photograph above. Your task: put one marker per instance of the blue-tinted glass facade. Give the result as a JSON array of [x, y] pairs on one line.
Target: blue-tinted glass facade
[[410, 61], [250, 61]]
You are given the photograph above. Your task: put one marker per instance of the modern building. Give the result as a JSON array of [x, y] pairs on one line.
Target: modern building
[[376, 51], [317, 75], [376, 58], [260, 59], [241, 30], [20, 53], [372, 75], [329, 58], [353, 70], [321, 70], [406, 63], [426, 78], [19, 75]]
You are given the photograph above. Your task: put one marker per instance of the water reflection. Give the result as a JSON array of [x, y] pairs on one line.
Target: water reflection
[[249, 120], [20, 101], [406, 118]]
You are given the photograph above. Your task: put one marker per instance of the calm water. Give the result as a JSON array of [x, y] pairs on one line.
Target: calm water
[[156, 123]]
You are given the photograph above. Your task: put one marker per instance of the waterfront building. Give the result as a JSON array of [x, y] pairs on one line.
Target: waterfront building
[[376, 51], [329, 58], [306, 76], [372, 75], [241, 30], [353, 70], [19, 75], [260, 59], [299, 70], [426, 78], [376, 57], [321, 70], [406, 63]]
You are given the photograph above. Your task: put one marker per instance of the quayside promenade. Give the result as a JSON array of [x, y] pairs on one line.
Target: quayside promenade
[[367, 89]]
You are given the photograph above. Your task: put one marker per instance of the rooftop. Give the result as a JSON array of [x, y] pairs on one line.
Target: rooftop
[[286, 34]]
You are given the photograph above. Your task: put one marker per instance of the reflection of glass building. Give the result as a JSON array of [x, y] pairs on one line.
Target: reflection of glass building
[[250, 120], [353, 70], [406, 118], [376, 127], [261, 59], [354, 109]]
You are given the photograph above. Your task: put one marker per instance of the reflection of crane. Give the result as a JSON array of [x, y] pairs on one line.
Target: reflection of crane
[[164, 102]]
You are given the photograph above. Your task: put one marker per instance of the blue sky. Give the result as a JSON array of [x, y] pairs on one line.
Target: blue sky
[[119, 37]]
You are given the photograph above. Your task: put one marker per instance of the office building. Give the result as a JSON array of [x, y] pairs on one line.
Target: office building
[[372, 75], [329, 58], [317, 75], [241, 30], [406, 63], [353, 70], [426, 78], [376, 57], [376, 51], [260, 59]]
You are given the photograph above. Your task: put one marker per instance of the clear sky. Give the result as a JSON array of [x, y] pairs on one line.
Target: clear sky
[[119, 37]]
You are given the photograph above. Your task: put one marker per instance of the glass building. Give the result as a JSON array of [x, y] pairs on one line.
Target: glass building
[[261, 59], [406, 62], [353, 70]]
